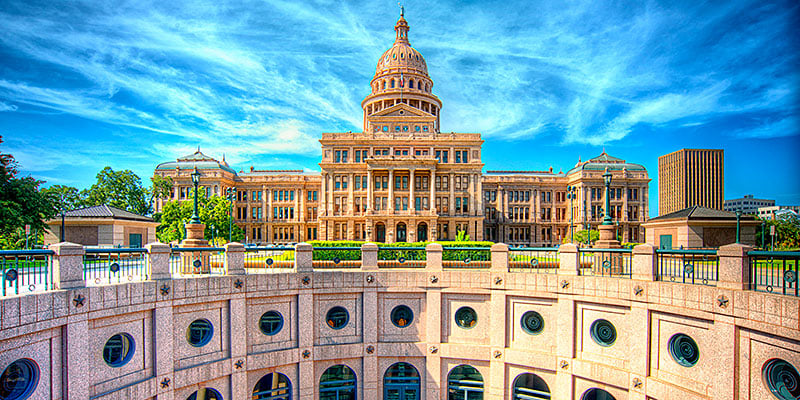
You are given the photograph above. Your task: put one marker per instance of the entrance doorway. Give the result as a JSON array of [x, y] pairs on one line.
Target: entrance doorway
[[401, 232], [422, 232], [380, 233]]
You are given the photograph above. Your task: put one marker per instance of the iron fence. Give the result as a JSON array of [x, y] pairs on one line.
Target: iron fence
[[688, 266], [265, 259], [775, 271], [466, 257], [402, 257], [197, 261], [336, 257], [26, 270], [115, 265], [606, 262], [543, 260]]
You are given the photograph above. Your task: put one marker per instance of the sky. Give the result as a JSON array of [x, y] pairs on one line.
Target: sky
[[130, 84]]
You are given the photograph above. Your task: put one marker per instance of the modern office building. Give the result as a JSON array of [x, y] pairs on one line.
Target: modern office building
[[747, 204], [690, 177], [772, 212], [403, 179]]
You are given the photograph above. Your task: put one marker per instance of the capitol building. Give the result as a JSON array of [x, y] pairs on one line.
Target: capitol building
[[403, 179]]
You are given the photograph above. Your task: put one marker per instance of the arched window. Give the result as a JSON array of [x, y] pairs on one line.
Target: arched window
[[273, 386], [205, 394], [401, 382], [530, 387], [392, 84], [410, 83], [464, 383], [337, 383], [597, 394], [384, 85]]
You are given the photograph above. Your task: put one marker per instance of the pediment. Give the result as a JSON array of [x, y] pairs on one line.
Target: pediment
[[401, 110]]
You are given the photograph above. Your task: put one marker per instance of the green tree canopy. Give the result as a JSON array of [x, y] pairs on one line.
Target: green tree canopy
[[121, 189], [213, 211], [580, 236], [70, 196], [787, 234], [161, 186]]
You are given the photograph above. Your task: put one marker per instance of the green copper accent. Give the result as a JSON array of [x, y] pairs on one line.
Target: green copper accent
[[607, 215], [196, 180]]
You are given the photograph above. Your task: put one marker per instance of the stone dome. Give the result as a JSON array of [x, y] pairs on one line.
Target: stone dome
[[401, 55]]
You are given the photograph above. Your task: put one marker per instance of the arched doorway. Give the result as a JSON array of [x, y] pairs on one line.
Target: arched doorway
[[337, 383], [401, 382], [597, 394], [380, 232], [401, 232], [530, 387], [464, 382], [422, 232], [273, 386]]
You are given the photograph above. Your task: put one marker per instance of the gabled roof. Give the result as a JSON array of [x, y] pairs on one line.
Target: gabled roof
[[698, 213], [105, 211], [196, 160]]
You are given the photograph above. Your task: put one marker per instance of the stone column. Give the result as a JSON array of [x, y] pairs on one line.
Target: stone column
[[569, 259], [306, 384], [303, 261], [370, 323], [158, 259], [390, 206], [499, 257], [433, 257], [234, 259], [734, 267], [238, 335], [411, 203], [68, 265], [432, 199], [452, 196], [565, 349], [645, 263], [370, 186], [369, 257]]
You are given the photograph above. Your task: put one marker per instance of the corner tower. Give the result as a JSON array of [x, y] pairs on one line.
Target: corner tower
[[400, 99]]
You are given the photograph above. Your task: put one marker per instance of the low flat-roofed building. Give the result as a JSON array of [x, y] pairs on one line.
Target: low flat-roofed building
[[699, 227], [102, 226], [748, 204]]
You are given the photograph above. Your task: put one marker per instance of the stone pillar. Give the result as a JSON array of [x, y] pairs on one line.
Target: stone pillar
[[370, 323], [433, 257], [158, 258], [369, 257], [432, 199], [303, 262], [565, 349], [569, 259], [370, 186], [238, 326], [645, 263], [452, 196], [411, 203], [76, 337], [390, 206], [734, 267], [306, 384], [234, 259], [433, 337], [499, 257], [68, 265]]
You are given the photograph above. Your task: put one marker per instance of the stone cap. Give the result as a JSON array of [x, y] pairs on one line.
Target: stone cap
[[369, 246], [234, 246], [158, 247], [434, 247], [644, 249], [734, 250], [568, 248], [67, 249], [499, 247], [303, 247]]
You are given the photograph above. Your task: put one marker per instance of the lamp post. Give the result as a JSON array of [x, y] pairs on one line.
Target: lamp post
[[738, 218], [763, 243], [231, 194], [571, 195], [196, 181], [606, 214], [62, 219]]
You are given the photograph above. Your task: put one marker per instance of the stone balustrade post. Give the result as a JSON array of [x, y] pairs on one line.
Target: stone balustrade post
[[433, 257], [734, 267], [303, 257], [569, 259], [68, 265], [645, 263], [234, 259], [158, 258], [369, 257], [499, 257]]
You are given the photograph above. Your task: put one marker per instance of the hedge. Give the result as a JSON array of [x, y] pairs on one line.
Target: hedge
[[352, 254]]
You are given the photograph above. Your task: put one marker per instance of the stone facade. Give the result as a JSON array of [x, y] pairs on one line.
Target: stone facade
[[403, 179]]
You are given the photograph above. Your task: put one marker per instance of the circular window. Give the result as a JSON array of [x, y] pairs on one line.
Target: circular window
[[781, 378], [337, 317], [19, 380], [683, 350], [603, 332], [532, 322], [271, 322], [200, 332], [205, 394], [402, 316], [466, 317], [118, 350]]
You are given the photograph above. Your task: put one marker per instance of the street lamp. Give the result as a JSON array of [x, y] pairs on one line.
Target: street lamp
[[763, 225], [738, 218], [62, 219], [196, 181], [571, 195], [606, 214], [231, 195]]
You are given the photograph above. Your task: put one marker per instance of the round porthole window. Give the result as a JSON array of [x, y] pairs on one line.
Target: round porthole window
[[200, 332], [603, 332], [19, 380], [532, 322], [402, 316], [782, 379], [118, 350], [684, 350], [271, 322], [466, 317], [337, 317]]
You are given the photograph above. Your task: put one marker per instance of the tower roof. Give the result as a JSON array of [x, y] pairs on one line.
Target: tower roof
[[401, 55]]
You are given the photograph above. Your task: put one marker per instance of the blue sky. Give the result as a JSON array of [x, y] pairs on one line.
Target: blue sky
[[131, 84]]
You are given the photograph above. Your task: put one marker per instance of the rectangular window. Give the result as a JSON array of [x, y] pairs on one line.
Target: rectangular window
[[344, 182], [357, 156], [337, 156], [458, 157], [344, 156]]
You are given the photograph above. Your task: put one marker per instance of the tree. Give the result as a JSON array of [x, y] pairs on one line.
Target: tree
[[462, 236], [161, 186], [787, 234], [213, 211], [580, 237], [121, 189], [21, 203], [71, 197]]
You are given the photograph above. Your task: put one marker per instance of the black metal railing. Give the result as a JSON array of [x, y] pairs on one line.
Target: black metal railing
[[606, 262], [264, 259], [543, 260], [26, 271], [197, 261], [775, 271], [466, 257], [700, 267], [336, 257], [402, 257], [115, 265]]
